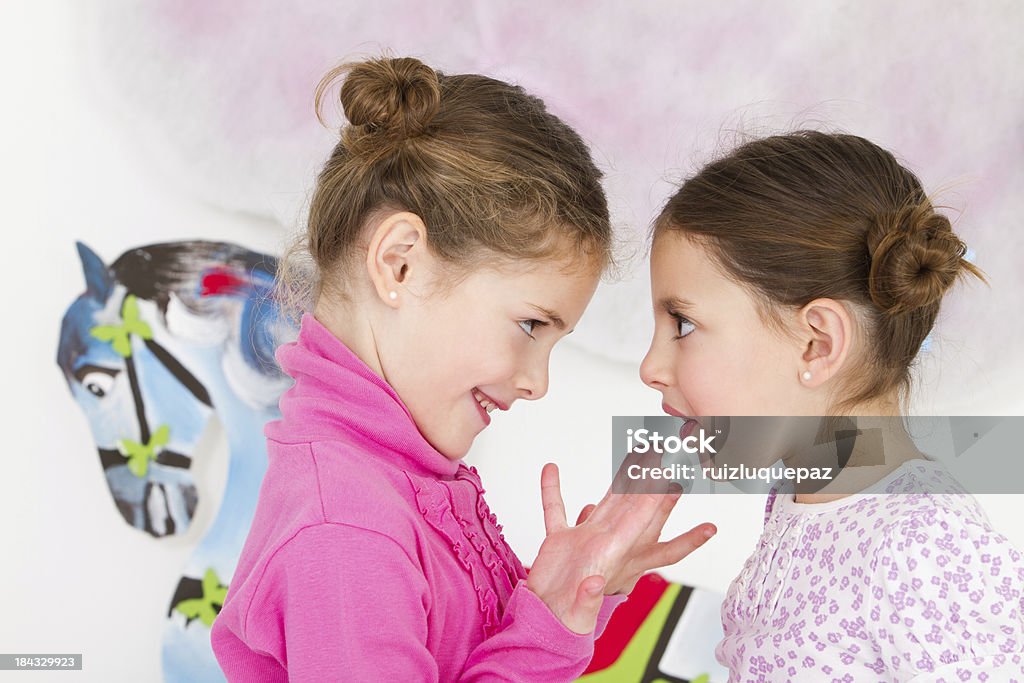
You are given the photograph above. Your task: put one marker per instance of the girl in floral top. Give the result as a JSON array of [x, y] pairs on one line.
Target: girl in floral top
[[800, 275]]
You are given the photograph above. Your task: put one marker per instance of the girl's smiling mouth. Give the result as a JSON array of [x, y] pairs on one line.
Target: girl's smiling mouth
[[486, 405]]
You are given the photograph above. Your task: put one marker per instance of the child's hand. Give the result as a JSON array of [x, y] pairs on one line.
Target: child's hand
[[647, 552], [607, 552]]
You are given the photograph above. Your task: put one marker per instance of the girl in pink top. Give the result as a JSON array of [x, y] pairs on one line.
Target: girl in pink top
[[800, 275], [457, 232]]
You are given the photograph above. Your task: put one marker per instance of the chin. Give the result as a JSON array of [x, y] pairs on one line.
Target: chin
[[458, 454], [454, 451]]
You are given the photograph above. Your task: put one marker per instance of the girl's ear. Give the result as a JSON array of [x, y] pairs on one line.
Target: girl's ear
[[826, 329], [397, 255]]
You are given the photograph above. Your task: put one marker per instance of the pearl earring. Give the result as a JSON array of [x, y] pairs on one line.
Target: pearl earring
[[392, 295], [806, 375]]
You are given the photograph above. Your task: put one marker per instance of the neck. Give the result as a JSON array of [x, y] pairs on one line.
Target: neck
[[881, 446], [350, 324]]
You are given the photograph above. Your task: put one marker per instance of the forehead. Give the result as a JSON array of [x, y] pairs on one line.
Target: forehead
[[678, 262], [543, 282], [683, 268]]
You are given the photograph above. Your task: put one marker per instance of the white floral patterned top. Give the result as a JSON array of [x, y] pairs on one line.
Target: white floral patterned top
[[894, 584]]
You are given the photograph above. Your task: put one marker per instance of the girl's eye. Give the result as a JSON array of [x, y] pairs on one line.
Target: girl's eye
[[683, 326], [527, 327]]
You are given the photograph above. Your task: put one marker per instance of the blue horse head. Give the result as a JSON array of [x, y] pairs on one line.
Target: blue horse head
[[141, 385]]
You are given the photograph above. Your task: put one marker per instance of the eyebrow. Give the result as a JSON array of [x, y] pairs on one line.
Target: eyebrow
[[556, 319], [671, 304]]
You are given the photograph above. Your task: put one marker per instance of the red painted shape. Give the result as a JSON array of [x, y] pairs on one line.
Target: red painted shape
[[626, 620], [219, 281]]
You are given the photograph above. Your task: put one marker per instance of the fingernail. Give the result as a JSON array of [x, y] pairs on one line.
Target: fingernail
[[709, 532]]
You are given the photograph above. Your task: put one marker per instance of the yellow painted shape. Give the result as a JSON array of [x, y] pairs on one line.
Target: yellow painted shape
[[632, 663]]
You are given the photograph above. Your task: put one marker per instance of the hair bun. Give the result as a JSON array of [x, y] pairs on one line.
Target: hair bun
[[915, 258], [395, 97]]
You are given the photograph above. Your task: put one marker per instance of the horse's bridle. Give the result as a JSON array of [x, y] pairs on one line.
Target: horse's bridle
[[110, 457]]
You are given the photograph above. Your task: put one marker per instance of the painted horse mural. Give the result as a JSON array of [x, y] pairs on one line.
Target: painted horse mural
[[163, 339]]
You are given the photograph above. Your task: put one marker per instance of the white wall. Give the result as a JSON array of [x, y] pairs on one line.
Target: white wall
[[75, 578]]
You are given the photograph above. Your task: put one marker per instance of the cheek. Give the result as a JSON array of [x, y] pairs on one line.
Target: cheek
[[499, 363], [706, 377], [485, 362], [717, 379], [764, 382]]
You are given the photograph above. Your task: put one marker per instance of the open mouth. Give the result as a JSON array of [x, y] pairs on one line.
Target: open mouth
[[485, 401], [690, 424], [669, 410], [689, 427], [486, 405]]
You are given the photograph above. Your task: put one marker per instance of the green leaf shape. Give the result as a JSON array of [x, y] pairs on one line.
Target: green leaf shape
[[132, 323], [160, 437], [214, 594], [139, 454], [197, 608], [119, 336]]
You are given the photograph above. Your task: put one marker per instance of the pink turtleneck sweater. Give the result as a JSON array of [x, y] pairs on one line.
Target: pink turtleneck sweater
[[372, 557]]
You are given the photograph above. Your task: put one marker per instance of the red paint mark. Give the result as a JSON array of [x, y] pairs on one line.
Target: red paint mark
[[626, 621], [220, 281]]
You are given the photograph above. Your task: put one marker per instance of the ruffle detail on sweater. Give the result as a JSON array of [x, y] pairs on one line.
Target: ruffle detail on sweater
[[510, 567], [475, 539]]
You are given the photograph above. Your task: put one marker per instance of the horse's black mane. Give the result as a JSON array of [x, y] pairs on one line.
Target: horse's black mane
[[154, 271]]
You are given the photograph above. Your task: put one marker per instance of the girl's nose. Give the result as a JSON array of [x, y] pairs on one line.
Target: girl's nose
[[653, 370], [533, 382]]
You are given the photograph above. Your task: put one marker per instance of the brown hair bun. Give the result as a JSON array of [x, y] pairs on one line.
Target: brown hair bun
[[394, 98], [915, 258]]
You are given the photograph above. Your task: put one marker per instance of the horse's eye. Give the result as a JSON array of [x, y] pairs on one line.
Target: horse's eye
[[98, 383]]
